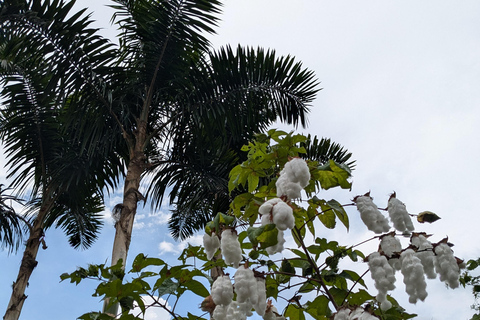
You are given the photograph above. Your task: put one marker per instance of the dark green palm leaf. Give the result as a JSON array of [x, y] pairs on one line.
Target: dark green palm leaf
[[324, 150], [11, 231]]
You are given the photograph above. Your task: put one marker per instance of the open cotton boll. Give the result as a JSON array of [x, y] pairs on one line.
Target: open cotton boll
[[222, 291], [285, 187], [267, 206], [245, 285], [384, 276], [413, 276], [266, 219], [297, 171], [391, 245], [283, 216], [235, 312], [399, 216], [260, 305], [360, 314], [446, 265], [231, 251], [343, 314], [220, 312], [211, 245], [370, 215], [426, 255]]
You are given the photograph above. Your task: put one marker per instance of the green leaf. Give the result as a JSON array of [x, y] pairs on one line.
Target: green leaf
[[339, 212], [165, 286], [272, 287], [333, 175], [197, 287], [353, 276], [287, 267], [328, 219], [319, 309], [359, 298], [253, 180], [141, 261], [266, 235], [234, 178], [294, 312]]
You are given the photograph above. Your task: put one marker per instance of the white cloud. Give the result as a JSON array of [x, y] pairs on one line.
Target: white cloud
[[151, 220], [168, 247]]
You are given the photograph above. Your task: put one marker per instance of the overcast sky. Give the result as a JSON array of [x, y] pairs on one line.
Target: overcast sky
[[401, 91]]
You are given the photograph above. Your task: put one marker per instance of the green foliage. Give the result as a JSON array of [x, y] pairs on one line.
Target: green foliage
[[312, 277], [471, 279], [152, 277]]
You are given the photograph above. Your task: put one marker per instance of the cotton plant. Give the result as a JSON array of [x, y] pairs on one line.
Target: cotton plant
[[266, 204]]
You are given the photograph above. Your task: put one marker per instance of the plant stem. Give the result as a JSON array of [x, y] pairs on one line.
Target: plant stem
[[296, 233]]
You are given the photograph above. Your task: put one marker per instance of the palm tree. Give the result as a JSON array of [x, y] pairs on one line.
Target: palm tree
[[44, 162], [162, 104]]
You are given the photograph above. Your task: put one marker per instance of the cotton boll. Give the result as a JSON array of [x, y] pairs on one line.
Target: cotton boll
[[285, 187], [413, 276], [426, 255], [390, 245], [267, 206], [266, 219], [283, 216], [279, 246], [211, 245], [360, 314], [370, 215], [297, 171], [342, 314], [235, 312], [232, 253], [383, 275], [446, 265], [222, 291], [220, 312], [245, 285], [399, 216], [261, 304]]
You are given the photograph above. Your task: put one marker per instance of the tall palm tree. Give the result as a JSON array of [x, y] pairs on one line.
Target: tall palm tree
[[44, 162], [162, 103]]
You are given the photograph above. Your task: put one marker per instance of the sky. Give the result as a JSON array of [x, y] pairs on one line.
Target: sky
[[400, 91]]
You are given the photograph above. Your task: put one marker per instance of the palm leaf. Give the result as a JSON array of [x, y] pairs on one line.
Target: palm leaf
[[324, 150], [11, 231]]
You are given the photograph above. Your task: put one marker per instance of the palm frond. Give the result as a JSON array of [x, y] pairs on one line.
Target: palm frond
[[246, 90], [11, 231], [78, 216], [324, 150], [158, 38]]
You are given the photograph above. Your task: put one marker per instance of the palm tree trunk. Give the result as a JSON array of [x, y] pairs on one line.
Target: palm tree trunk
[[131, 196], [27, 265]]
